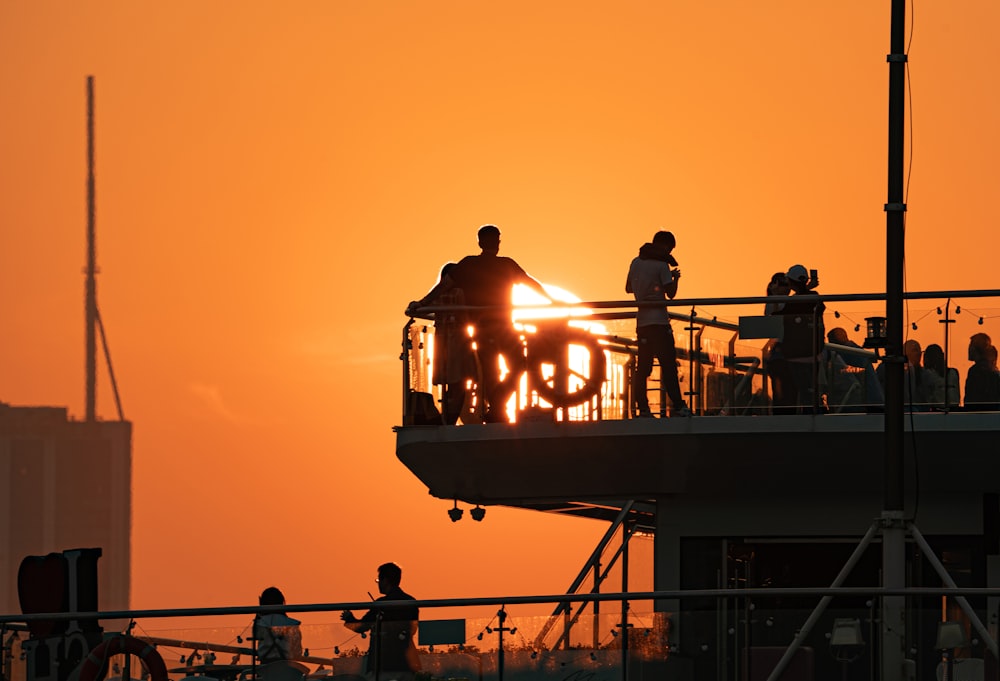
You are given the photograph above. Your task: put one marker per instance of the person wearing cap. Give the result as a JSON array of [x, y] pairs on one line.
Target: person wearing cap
[[652, 279], [805, 338], [487, 280]]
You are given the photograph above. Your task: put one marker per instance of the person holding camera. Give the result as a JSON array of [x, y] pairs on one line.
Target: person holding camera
[[653, 276], [805, 338]]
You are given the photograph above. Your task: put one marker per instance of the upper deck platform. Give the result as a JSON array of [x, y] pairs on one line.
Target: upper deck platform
[[587, 456], [590, 468]]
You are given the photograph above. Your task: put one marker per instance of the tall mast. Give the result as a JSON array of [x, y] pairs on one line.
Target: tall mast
[[893, 521], [91, 299]]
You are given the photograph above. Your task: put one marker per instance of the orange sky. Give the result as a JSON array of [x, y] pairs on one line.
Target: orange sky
[[275, 181]]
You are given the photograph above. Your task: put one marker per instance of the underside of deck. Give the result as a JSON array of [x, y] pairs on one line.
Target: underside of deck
[[591, 468]]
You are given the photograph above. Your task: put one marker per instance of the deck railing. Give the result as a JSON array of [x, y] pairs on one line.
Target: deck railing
[[705, 634], [723, 362]]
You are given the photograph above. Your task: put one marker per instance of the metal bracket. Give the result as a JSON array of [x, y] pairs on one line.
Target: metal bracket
[[895, 58], [895, 207], [892, 519]]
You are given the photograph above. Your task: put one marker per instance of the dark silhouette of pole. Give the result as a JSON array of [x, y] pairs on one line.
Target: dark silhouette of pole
[[91, 286], [377, 645], [893, 522], [895, 238], [947, 321], [625, 624], [502, 617]]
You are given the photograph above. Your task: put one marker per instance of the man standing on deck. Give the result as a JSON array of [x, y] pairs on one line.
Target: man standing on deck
[[391, 651], [486, 280], [653, 276], [805, 339]]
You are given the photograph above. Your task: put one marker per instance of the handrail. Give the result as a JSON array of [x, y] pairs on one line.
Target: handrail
[[751, 592], [729, 300], [662, 643], [708, 392]]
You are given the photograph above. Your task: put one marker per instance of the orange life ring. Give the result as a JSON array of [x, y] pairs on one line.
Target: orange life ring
[[90, 668]]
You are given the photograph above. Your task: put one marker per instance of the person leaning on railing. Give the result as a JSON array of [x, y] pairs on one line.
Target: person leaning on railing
[[454, 359], [392, 654], [487, 281]]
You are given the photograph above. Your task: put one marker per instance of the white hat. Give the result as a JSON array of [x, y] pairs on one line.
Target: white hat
[[798, 273]]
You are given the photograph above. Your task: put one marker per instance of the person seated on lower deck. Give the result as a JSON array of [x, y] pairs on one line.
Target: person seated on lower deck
[[942, 381], [982, 382], [846, 373], [278, 641]]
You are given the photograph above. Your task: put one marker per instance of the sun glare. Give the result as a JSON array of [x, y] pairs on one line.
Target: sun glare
[[530, 305], [562, 304]]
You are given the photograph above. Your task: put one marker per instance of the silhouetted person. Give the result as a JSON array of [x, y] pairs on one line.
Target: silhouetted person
[[943, 385], [279, 640], [391, 650], [870, 391], [486, 280], [845, 381], [805, 337], [839, 336], [916, 391], [783, 395], [651, 278], [454, 362], [778, 286], [982, 382]]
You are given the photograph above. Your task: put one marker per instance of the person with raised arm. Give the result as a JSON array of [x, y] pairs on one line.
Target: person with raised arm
[[392, 654]]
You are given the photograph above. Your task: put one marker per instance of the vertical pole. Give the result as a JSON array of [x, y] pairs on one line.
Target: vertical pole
[[597, 606], [502, 616], [405, 356], [376, 646], [947, 363], [626, 534], [893, 527], [91, 286], [895, 209]]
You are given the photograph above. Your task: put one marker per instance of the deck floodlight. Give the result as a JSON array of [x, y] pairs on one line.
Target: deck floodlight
[[950, 635], [846, 632], [846, 642], [877, 336], [455, 513], [478, 513]]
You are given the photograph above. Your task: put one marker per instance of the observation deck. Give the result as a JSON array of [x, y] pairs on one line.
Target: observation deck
[[573, 444]]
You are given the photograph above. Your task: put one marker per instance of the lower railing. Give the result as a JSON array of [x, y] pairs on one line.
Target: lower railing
[[714, 634]]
